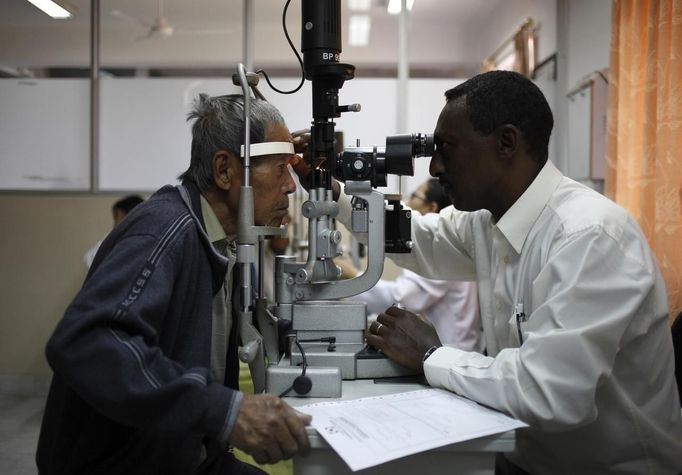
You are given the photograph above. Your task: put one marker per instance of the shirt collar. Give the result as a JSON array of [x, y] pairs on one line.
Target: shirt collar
[[517, 222], [214, 230]]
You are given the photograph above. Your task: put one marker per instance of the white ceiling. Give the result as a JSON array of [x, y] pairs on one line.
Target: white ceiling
[[444, 34]]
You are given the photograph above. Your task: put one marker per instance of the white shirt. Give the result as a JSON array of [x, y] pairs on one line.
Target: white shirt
[[594, 376], [452, 307]]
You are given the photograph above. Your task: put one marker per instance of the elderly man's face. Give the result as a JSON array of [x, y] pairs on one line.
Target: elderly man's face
[[272, 181], [465, 161]]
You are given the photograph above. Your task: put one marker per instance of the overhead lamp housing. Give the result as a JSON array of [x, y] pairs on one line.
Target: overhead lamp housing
[[394, 6], [52, 9]]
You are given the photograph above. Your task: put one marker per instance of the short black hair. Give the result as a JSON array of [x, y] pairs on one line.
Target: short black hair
[[128, 203], [497, 98], [435, 193]]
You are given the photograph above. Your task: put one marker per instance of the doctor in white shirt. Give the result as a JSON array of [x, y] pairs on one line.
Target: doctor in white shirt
[[573, 305]]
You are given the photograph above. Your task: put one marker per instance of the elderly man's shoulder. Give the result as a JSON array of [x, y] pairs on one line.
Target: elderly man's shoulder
[[163, 212]]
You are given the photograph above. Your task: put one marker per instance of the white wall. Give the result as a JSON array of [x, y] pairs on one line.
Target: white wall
[[44, 134], [589, 37], [145, 139], [579, 32], [506, 18], [583, 36], [502, 23]]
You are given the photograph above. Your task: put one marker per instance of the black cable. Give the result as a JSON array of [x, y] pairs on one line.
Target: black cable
[[305, 366], [302, 384], [327, 339], [286, 33], [305, 361]]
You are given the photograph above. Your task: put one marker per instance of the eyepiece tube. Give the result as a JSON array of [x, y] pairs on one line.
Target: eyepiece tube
[[402, 149]]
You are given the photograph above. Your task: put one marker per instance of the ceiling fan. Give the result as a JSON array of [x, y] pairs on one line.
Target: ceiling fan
[[160, 27]]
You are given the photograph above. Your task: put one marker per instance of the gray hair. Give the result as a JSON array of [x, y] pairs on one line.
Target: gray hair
[[219, 125]]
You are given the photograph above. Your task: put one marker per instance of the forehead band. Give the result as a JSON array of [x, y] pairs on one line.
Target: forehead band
[[270, 148]]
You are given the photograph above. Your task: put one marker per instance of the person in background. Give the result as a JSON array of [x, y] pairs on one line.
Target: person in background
[[145, 358], [119, 211], [573, 305], [451, 307]]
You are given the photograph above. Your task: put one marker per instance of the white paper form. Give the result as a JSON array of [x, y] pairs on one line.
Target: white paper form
[[373, 430]]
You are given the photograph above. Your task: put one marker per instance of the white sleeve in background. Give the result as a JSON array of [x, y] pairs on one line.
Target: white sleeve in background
[[406, 289], [435, 235], [452, 307]]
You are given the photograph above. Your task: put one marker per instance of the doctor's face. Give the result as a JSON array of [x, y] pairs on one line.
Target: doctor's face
[[465, 161]]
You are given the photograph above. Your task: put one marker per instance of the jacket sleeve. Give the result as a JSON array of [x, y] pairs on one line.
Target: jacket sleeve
[[106, 347]]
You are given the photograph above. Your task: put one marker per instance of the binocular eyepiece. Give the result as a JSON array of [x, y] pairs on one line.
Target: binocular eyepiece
[[374, 163]]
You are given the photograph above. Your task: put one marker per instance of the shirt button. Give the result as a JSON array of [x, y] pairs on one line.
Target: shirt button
[[498, 305], [506, 259]]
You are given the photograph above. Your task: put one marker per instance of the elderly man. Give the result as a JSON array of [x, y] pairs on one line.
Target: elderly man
[[144, 359], [573, 305]]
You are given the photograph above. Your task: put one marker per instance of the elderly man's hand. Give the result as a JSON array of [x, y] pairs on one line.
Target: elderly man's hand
[[402, 336], [269, 430]]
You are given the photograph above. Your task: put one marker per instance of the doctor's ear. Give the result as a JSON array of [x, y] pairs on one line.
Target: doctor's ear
[[224, 167], [508, 137]]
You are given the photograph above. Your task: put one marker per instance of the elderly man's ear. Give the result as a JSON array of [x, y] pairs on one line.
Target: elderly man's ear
[[226, 167]]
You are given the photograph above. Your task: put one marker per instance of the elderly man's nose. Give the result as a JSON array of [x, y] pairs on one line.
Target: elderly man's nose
[[290, 184]]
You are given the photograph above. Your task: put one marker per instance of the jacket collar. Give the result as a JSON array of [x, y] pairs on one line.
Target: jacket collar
[[189, 192]]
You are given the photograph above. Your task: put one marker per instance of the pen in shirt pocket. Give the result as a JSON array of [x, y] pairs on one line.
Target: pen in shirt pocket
[[520, 317]]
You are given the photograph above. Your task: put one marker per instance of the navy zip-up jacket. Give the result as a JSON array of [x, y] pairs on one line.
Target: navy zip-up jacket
[[132, 391]]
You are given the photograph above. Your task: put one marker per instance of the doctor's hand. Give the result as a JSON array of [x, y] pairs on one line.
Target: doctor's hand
[[304, 164], [403, 336], [301, 166], [269, 430]]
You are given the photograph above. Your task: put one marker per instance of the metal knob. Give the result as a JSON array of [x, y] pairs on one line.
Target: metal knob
[[248, 352]]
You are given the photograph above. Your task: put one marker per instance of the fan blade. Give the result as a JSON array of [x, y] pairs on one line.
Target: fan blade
[[125, 17], [204, 31]]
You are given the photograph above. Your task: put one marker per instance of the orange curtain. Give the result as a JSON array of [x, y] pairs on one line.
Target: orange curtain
[[644, 148]]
